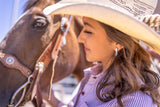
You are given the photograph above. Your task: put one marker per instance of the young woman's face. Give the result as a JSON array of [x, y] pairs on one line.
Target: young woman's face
[[98, 46]]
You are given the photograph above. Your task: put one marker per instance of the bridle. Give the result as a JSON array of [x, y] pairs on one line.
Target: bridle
[[30, 87]]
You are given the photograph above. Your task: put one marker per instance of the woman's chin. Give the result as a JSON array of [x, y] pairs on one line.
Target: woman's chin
[[90, 59]]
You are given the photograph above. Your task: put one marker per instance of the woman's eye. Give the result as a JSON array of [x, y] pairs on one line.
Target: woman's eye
[[88, 32]]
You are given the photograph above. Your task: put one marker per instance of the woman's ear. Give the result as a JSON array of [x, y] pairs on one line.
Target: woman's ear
[[118, 46]]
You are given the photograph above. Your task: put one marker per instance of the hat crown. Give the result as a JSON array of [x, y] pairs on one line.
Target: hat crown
[[130, 7]]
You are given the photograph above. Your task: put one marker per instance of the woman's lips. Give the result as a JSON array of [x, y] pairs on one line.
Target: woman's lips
[[86, 49]]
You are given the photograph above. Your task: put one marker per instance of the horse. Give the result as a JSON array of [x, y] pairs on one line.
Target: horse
[[26, 41]]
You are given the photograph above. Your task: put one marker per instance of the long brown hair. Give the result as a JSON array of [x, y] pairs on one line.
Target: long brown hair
[[130, 68]]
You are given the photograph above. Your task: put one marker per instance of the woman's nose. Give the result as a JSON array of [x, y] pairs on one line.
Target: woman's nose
[[81, 38]]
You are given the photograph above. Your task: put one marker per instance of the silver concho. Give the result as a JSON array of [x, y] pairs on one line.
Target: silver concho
[[9, 60]]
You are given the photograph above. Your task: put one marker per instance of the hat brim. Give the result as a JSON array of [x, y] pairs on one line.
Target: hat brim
[[105, 14]]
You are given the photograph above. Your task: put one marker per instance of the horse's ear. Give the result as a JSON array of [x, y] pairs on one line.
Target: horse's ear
[[56, 1], [29, 4]]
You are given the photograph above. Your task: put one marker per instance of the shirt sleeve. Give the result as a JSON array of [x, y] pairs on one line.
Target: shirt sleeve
[[138, 99]]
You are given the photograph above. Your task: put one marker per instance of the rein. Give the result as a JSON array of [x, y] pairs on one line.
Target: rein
[[41, 64]]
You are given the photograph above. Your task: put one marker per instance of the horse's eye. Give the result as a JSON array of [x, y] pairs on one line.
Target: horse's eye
[[39, 23]]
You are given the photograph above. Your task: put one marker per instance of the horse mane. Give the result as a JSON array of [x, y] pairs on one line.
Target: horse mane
[[29, 4]]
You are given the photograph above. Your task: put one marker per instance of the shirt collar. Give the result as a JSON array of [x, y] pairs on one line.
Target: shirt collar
[[95, 70]]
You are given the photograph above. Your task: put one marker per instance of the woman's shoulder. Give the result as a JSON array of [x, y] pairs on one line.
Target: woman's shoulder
[[138, 99]]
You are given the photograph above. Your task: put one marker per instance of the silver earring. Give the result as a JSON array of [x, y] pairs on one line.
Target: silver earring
[[116, 51]]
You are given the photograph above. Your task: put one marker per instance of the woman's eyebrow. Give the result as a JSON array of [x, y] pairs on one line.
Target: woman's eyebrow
[[88, 24]]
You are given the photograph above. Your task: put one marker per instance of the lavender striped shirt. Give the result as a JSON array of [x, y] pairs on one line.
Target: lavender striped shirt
[[88, 96]]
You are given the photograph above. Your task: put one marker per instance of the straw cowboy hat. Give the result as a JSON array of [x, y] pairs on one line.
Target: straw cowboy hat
[[120, 14]]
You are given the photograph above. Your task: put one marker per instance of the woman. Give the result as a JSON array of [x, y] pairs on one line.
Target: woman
[[122, 77]]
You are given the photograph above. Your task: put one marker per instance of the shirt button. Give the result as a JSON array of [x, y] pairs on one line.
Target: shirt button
[[94, 77], [82, 93]]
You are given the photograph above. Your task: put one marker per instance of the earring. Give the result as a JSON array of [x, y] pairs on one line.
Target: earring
[[116, 51]]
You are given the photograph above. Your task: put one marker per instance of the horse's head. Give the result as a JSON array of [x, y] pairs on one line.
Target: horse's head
[[31, 34], [26, 40]]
